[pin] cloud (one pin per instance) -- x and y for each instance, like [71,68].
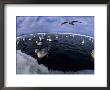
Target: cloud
[50,24]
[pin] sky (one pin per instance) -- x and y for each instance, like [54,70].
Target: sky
[52,24]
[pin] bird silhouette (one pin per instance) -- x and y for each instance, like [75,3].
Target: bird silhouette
[71,23]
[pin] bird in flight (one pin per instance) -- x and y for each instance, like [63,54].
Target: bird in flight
[71,23]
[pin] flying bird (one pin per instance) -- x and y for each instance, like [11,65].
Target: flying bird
[71,23]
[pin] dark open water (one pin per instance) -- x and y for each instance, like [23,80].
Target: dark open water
[65,54]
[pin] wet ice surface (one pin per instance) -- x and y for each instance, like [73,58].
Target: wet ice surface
[28,65]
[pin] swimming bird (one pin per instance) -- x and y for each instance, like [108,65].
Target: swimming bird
[92,53]
[82,43]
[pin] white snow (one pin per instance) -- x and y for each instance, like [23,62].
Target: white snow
[28,65]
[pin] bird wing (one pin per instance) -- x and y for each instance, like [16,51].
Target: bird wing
[73,21]
[64,23]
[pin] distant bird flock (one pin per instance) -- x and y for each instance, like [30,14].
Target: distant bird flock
[49,39]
